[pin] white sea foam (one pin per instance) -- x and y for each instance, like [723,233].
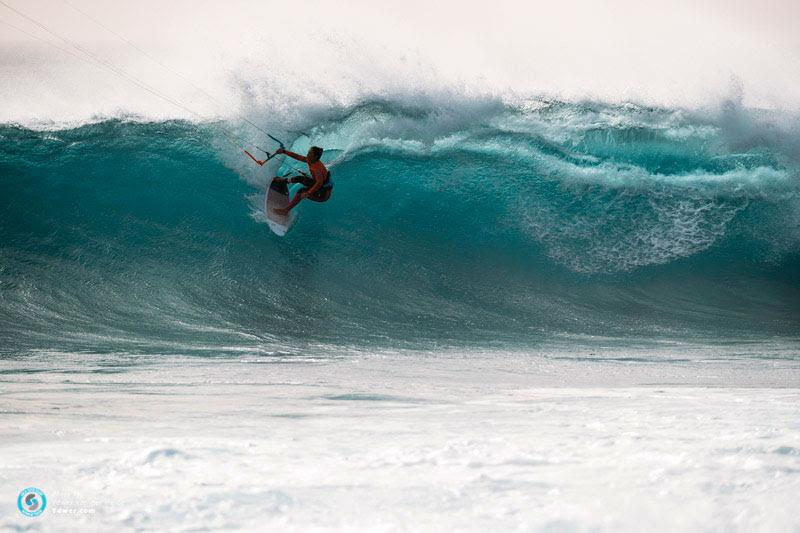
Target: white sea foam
[390,442]
[272,60]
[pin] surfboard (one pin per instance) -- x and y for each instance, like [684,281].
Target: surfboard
[277,197]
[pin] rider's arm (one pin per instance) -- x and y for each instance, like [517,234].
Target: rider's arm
[292,155]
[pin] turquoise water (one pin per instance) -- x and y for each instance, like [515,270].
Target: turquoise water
[469,225]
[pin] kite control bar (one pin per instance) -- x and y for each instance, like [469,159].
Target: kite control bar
[270,155]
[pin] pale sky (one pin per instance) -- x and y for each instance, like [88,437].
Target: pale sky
[286,55]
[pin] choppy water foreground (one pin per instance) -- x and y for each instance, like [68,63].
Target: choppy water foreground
[401,442]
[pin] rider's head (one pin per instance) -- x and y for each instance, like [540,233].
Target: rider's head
[314,153]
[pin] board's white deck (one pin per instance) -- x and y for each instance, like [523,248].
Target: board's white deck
[279,224]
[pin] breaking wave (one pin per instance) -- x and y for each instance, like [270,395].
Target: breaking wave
[457,222]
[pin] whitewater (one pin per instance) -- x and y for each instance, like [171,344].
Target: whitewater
[555,288]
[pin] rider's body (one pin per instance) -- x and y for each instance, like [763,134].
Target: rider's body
[317,187]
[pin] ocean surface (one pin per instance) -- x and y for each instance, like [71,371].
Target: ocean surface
[478,224]
[523,316]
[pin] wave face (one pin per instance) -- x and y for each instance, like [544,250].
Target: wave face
[468,223]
